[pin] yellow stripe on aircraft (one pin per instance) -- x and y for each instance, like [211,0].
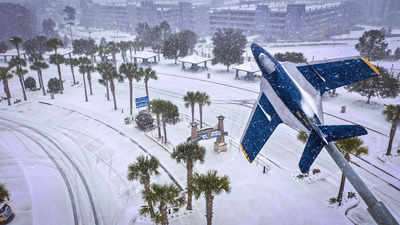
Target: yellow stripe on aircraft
[245,154]
[371,65]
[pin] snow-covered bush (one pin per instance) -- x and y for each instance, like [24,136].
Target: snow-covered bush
[30,83]
[54,85]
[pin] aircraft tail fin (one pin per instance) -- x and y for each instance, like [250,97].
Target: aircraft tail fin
[332,133]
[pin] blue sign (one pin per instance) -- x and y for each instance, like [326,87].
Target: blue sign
[142,102]
[210,135]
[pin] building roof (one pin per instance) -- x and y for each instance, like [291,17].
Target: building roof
[247,67]
[144,55]
[194,59]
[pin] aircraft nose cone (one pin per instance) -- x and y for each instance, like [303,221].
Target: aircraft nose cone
[256,49]
[263,58]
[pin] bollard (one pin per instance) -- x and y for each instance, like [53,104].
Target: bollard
[343,109]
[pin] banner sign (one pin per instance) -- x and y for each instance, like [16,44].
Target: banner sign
[210,135]
[142,102]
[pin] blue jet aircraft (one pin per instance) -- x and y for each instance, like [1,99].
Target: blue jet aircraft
[291,94]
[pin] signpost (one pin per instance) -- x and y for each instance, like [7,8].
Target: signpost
[142,102]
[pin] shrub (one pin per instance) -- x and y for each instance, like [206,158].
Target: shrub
[302,175]
[30,83]
[351,195]
[315,171]
[144,120]
[54,85]
[332,200]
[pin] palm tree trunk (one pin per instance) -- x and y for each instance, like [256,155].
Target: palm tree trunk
[164,215]
[113,94]
[391,137]
[72,68]
[201,115]
[158,125]
[192,113]
[209,208]
[73,74]
[341,189]
[38,75]
[164,120]
[41,81]
[21,81]
[108,91]
[130,96]
[89,77]
[189,167]
[84,86]
[115,61]
[151,207]
[60,78]
[146,85]
[7,91]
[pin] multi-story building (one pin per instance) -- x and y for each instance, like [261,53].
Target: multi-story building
[180,16]
[294,21]
[236,17]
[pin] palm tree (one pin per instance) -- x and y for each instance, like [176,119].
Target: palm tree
[148,74]
[392,113]
[142,170]
[123,47]
[131,71]
[73,62]
[56,59]
[5,75]
[163,197]
[18,63]
[349,146]
[102,50]
[131,45]
[189,153]
[190,100]
[104,81]
[109,73]
[90,68]
[169,111]
[156,107]
[112,48]
[210,184]
[16,41]
[202,99]
[84,64]
[39,66]
[3,193]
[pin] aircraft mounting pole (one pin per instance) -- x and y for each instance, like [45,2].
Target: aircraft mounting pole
[377,209]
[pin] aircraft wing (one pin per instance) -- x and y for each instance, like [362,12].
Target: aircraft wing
[331,74]
[262,123]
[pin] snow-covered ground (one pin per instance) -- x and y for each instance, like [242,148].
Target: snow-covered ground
[76,153]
